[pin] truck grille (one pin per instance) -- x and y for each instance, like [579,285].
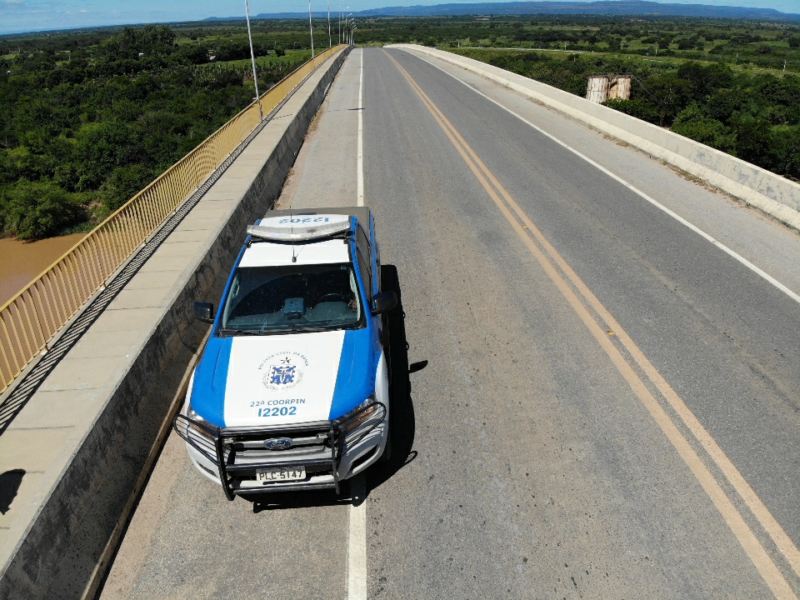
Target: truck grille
[239,452]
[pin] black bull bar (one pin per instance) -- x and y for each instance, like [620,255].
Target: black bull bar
[219,444]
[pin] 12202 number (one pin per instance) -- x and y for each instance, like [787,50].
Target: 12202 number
[283,411]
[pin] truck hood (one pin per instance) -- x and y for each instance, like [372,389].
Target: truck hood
[283,379]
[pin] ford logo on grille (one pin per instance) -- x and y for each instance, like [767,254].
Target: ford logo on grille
[278,444]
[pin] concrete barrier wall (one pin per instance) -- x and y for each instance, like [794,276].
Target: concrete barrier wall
[60,552]
[771,193]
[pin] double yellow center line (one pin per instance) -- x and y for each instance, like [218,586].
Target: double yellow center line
[598,320]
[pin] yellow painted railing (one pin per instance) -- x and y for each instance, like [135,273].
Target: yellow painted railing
[30,319]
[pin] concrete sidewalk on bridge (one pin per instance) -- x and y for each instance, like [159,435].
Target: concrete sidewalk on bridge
[332,142]
[98,411]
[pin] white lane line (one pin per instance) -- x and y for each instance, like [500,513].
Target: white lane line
[357,543]
[360,142]
[732,253]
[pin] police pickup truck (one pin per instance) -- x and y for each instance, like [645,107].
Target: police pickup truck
[292,389]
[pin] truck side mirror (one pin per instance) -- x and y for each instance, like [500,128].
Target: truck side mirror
[204,311]
[384,302]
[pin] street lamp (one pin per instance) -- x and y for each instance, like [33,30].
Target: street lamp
[310,29]
[330,39]
[253,59]
[351,28]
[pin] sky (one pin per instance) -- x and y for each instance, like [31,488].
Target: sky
[38,15]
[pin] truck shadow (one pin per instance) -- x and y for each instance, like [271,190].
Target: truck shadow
[401,429]
[401,415]
[9,486]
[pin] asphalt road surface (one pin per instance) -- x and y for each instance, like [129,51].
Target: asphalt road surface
[600,403]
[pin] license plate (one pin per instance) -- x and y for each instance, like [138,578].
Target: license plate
[281,474]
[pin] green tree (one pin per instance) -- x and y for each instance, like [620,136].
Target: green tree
[785,150]
[102,147]
[705,79]
[753,140]
[724,104]
[7,168]
[694,123]
[33,210]
[123,184]
[636,107]
[670,94]
[149,40]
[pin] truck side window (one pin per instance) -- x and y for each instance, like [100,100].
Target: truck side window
[363,267]
[377,254]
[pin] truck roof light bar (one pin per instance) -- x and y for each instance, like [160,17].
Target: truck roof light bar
[297,234]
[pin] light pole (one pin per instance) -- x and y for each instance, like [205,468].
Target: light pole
[253,59]
[330,39]
[310,29]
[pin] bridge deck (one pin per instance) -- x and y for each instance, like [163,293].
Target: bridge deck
[536,468]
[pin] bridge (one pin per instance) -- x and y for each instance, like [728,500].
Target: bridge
[599,355]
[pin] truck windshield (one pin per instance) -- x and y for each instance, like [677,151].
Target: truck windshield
[293,298]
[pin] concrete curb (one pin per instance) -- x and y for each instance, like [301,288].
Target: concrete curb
[60,552]
[770,193]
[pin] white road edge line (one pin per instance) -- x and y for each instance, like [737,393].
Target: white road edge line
[357,543]
[360,141]
[732,253]
[357,528]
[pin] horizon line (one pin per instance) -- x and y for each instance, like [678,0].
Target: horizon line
[322,14]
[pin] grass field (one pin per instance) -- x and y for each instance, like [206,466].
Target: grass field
[666,61]
[290,59]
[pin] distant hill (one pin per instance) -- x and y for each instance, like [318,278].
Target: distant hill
[640,8]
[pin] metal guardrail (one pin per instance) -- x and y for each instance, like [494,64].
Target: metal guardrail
[36,314]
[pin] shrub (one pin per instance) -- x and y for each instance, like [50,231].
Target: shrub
[697,125]
[636,107]
[753,141]
[786,150]
[123,184]
[34,210]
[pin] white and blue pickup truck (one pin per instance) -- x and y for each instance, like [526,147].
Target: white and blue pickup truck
[292,389]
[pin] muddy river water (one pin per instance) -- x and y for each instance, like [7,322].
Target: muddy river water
[21,262]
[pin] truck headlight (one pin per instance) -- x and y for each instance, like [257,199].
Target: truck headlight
[197,433]
[368,410]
